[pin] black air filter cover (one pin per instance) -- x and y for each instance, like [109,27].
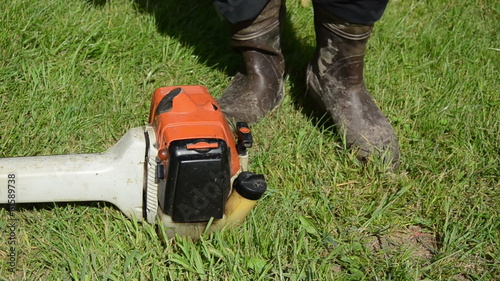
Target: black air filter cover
[197,181]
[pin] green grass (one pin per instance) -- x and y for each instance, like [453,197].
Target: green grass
[76,75]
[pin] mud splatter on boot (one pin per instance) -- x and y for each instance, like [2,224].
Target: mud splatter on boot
[335,82]
[252,95]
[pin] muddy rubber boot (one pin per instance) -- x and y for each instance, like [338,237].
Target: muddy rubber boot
[335,82]
[253,94]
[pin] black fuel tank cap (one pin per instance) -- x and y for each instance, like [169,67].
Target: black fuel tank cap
[249,185]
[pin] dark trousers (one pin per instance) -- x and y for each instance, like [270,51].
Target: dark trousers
[363,12]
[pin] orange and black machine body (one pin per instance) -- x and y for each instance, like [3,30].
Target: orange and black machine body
[199,158]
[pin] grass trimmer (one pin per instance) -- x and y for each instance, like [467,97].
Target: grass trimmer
[185,168]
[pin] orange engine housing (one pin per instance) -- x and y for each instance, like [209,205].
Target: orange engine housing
[194,115]
[195,147]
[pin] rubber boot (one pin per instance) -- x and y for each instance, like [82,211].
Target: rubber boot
[253,94]
[335,82]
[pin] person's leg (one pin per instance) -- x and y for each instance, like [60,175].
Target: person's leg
[364,12]
[252,95]
[237,11]
[335,77]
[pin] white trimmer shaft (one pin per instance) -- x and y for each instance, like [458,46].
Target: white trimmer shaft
[115,176]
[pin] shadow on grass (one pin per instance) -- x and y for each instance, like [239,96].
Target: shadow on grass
[196,25]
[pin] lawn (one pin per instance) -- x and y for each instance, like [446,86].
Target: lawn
[76,75]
